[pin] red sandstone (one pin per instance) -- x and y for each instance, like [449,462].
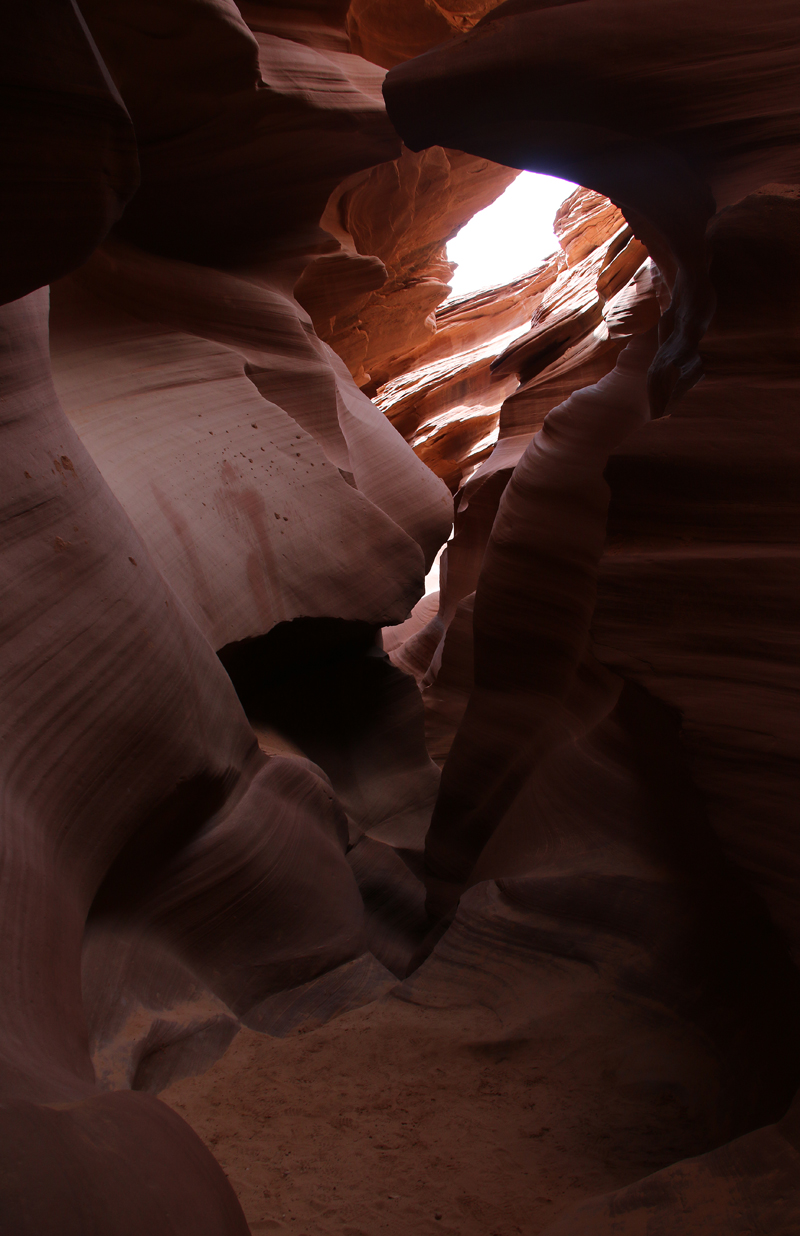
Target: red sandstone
[470,912]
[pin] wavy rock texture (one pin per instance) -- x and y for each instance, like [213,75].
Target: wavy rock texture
[231,873]
[136,797]
[669,140]
[486,824]
[608,741]
[69,604]
[267,487]
[210,133]
[448,405]
[279,537]
[135,793]
[586,301]
[732,573]
[374,300]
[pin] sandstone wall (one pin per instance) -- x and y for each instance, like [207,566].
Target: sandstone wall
[219,809]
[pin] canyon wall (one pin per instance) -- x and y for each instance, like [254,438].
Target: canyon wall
[588,567]
[251,776]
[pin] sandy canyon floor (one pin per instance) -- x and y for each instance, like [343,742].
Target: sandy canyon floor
[399,1119]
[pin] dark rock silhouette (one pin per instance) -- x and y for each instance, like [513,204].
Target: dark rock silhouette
[255,784]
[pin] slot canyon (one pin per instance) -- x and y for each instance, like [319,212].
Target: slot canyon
[335,903]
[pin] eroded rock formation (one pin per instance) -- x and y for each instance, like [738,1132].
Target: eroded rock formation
[490,798]
[233,429]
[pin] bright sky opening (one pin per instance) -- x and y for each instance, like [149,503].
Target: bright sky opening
[510,237]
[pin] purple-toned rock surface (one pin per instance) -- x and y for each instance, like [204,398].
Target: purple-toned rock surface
[328,905]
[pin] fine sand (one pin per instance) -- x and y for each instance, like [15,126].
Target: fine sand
[399,1119]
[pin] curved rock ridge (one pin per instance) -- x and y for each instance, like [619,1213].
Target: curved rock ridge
[144,764]
[550,520]
[448,405]
[580,303]
[559,801]
[135,794]
[730,575]
[382,268]
[374,300]
[585,301]
[682,576]
[246,431]
[562,966]
[670,141]
[216,107]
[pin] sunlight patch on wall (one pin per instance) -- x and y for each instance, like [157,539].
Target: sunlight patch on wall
[510,237]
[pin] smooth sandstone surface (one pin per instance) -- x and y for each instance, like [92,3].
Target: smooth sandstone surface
[282,535]
[150,809]
[74,597]
[527,834]
[469,912]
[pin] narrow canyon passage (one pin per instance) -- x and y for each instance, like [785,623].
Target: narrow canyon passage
[399,689]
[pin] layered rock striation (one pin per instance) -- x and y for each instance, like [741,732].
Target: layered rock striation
[541,689]
[219,807]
